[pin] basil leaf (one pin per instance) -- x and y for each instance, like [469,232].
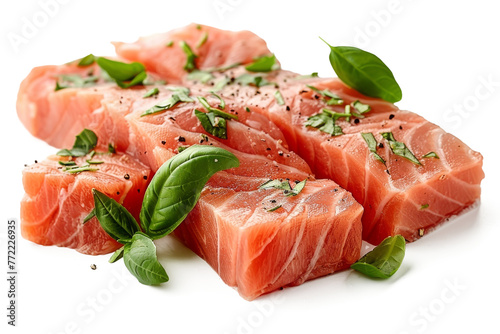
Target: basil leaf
[222,103]
[201,76]
[307,76]
[285,186]
[431,155]
[221,84]
[203,40]
[75,81]
[84,143]
[151,92]
[252,80]
[118,254]
[176,187]
[372,145]
[190,57]
[325,122]
[181,94]
[399,148]
[111,148]
[216,126]
[115,219]
[361,107]
[125,75]
[263,64]
[424,206]
[67,163]
[140,259]
[79,169]
[331,98]
[274,208]
[279,98]
[364,72]
[384,260]
[87,60]
[216,111]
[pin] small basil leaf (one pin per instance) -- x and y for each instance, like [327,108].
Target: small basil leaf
[431,155]
[263,64]
[252,80]
[140,259]
[117,255]
[364,72]
[216,126]
[151,92]
[384,260]
[372,145]
[325,122]
[279,98]
[190,57]
[134,72]
[221,84]
[87,60]
[113,217]
[201,76]
[84,143]
[176,187]
[276,184]
[399,148]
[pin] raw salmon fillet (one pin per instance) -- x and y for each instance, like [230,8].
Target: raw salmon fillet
[56,202]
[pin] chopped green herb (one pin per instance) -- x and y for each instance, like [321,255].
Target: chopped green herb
[223,68]
[399,148]
[221,84]
[431,155]
[151,92]
[182,148]
[215,111]
[222,103]
[372,145]
[84,143]
[247,109]
[190,57]
[263,64]
[285,186]
[325,121]
[328,96]
[361,107]
[252,80]
[180,94]
[274,208]
[384,260]
[79,169]
[214,121]
[424,206]
[307,76]
[94,162]
[203,40]
[169,44]
[67,163]
[111,148]
[75,81]
[279,98]
[87,60]
[201,76]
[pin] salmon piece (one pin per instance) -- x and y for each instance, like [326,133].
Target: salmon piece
[313,234]
[162,54]
[399,197]
[56,202]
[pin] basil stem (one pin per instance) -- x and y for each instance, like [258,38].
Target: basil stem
[384,260]
[364,72]
[177,185]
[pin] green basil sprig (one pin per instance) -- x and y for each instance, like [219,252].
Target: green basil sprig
[364,72]
[171,195]
[177,185]
[372,145]
[265,63]
[400,148]
[384,260]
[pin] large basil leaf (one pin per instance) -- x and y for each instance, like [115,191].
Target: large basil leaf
[140,259]
[114,218]
[176,187]
[384,260]
[364,72]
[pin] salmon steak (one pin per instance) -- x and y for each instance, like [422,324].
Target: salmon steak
[256,239]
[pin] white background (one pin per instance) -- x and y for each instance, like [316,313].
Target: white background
[441,52]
